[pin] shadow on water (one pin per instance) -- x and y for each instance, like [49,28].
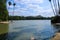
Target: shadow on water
[57,27]
[3,31]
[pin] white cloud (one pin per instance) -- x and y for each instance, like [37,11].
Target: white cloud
[29,1]
[38,10]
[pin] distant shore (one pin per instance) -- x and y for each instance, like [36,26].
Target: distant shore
[29,18]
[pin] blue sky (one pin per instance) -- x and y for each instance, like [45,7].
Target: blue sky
[30,8]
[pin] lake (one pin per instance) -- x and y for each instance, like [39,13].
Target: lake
[27,30]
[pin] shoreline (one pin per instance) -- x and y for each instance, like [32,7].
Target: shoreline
[4,22]
[57,37]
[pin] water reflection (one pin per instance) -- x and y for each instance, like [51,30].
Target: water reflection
[27,30]
[57,27]
[3,31]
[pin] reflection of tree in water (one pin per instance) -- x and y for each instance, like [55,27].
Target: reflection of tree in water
[3,36]
[57,27]
[3,31]
[8,36]
[11,36]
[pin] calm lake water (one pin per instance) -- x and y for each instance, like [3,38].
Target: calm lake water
[27,30]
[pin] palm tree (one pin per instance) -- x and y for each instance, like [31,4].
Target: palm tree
[52,6]
[13,8]
[14,4]
[9,3]
[49,0]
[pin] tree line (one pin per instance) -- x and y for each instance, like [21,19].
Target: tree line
[28,18]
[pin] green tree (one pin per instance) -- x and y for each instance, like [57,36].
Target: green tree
[3,11]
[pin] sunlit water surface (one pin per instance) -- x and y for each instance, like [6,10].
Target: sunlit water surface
[27,30]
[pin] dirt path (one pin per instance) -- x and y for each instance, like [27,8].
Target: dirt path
[57,37]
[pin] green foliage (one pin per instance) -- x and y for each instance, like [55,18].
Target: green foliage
[28,18]
[3,11]
[55,19]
